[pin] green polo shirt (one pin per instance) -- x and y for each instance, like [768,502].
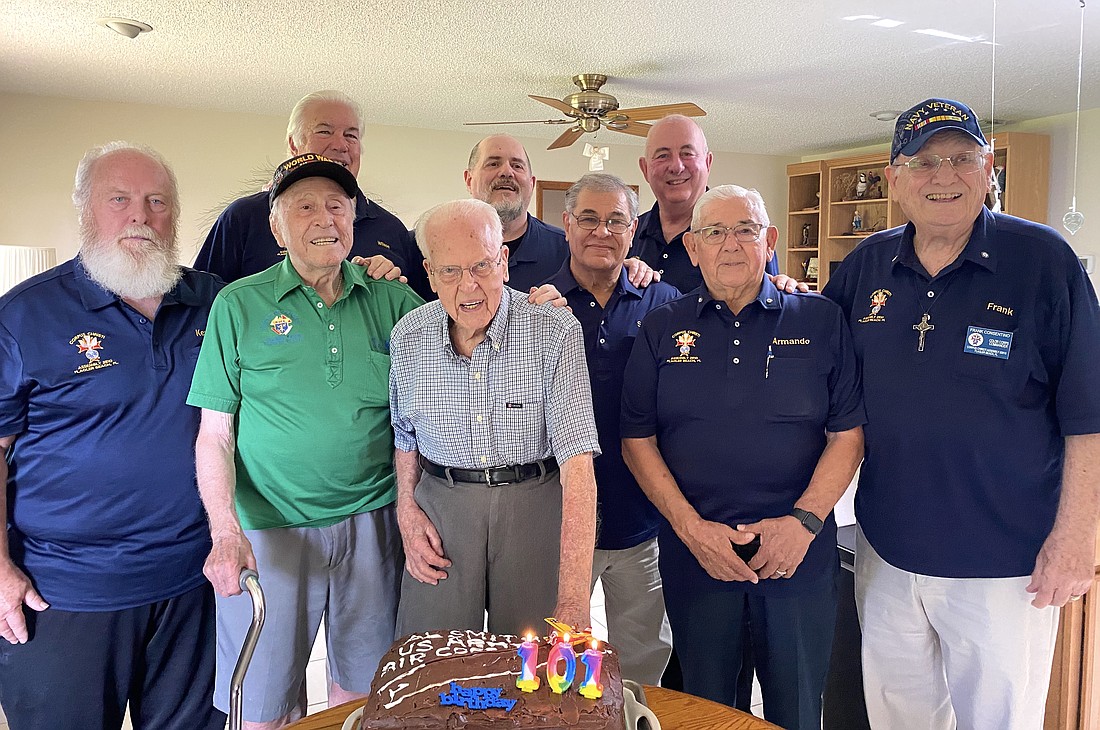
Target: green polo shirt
[309,385]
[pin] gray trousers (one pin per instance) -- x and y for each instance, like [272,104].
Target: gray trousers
[504,547]
[636,622]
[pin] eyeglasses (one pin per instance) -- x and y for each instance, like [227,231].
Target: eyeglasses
[716,235]
[479,270]
[965,163]
[592,222]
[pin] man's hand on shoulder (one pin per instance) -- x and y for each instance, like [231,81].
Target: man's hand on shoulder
[424,558]
[785,283]
[380,267]
[229,555]
[546,294]
[15,591]
[639,273]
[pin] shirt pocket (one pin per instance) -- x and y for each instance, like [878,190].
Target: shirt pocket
[1021,376]
[795,391]
[519,426]
[375,387]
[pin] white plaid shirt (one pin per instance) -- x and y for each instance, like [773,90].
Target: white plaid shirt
[523,396]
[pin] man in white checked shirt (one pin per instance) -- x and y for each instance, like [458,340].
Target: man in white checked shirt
[492,416]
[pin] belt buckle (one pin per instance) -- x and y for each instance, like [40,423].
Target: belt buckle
[488,477]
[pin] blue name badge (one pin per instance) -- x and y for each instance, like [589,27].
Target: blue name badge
[988,343]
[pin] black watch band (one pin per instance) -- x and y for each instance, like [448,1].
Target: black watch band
[808,519]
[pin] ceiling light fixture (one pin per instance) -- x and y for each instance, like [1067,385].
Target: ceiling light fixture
[886,115]
[860,17]
[949,36]
[887,23]
[124,26]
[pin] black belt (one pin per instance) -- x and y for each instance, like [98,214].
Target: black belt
[493,477]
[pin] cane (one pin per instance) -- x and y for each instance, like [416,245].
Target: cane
[250,583]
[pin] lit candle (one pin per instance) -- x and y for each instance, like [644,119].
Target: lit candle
[593,662]
[562,651]
[529,652]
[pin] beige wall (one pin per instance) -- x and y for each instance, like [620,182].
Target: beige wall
[219,156]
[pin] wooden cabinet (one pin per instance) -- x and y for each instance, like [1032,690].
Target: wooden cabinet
[1021,162]
[803,221]
[855,200]
[1073,701]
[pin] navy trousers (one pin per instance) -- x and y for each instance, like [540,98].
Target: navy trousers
[791,637]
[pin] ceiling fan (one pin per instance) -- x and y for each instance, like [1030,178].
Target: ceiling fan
[589,109]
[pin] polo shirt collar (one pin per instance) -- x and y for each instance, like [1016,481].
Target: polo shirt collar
[980,249]
[652,227]
[526,253]
[95,297]
[498,326]
[365,208]
[565,282]
[287,278]
[768,298]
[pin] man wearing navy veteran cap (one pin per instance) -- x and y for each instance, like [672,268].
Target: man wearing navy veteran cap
[295,450]
[741,418]
[978,335]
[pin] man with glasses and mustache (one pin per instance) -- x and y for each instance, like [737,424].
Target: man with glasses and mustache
[978,336]
[493,425]
[741,421]
[601,213]
[102,597]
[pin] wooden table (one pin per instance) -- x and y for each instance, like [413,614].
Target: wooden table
[675,710]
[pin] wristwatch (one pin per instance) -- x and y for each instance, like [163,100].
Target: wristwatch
[808,519]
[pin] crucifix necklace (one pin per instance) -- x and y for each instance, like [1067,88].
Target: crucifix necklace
[924,326]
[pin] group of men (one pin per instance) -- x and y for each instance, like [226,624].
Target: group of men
[391,466]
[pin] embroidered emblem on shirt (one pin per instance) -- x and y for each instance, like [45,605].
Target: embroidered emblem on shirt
[878,301]
[685,340]
[1000,309]
[791,341]
[383,244]
[513,405]
[89,344]
[282,324]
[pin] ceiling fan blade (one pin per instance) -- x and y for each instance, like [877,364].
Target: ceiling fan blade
[628,126]
[643,113]
[558,104]
[528,121]
[567,138]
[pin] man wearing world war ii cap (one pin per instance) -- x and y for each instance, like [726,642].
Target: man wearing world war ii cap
[295,451]
[978,335]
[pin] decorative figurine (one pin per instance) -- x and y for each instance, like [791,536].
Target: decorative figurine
[861,186]
[806,234]
[857,223]
[874,190]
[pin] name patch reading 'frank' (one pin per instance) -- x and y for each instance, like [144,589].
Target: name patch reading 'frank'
[988,343]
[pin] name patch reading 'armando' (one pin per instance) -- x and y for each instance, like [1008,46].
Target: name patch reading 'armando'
[476,698]
[795,341]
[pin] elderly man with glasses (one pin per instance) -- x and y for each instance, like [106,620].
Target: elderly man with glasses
[978,335]
[742,421]
[495,437]
[600,217]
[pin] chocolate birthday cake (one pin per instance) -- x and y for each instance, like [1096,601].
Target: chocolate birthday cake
[467,680]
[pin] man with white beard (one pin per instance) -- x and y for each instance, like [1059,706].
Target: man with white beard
[102,594]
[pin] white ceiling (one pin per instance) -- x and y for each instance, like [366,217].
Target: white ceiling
[785,78]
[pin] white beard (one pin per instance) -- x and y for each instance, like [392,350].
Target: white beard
[142,274]
[509,212]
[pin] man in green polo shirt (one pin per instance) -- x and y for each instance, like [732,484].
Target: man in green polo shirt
[295,450]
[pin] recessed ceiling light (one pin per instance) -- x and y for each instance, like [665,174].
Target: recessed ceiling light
[948,36]
[886,115]
[125,26]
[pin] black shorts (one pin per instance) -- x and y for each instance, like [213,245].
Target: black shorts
[79,670]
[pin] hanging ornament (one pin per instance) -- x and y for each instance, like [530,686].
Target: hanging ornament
[1074,219]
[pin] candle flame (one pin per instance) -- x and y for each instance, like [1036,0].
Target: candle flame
[565,637]
[595,644]
[529,636]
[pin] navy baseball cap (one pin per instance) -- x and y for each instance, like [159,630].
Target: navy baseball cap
[311,165]
[915,126]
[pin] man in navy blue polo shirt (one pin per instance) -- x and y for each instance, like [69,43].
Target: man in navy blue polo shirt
[327,123]
[106,536]
[978,335]
[499,173]
[676,165]
[741,419]
[600,216]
